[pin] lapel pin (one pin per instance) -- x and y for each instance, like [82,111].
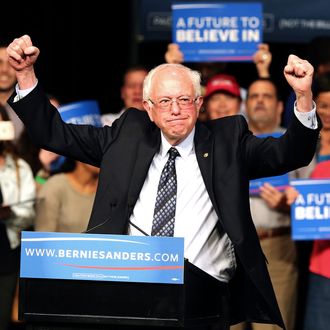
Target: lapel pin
[206,154]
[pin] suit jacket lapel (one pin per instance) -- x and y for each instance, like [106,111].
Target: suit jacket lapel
[204,154]
[145,153]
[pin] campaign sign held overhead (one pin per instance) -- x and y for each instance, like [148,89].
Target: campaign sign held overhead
[211,32]
[310,214]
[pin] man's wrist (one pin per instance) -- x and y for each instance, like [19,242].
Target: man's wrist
[307,118]
[20,93]
[304,103]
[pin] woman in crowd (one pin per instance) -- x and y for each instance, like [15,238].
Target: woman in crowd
[17,194]
[66,200]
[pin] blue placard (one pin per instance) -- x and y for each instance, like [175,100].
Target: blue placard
[293,21]
[211,32]
[310,214]
[280,182]
[97,257]
[81,113]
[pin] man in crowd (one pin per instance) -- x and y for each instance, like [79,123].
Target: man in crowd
[7,85]
[131,92]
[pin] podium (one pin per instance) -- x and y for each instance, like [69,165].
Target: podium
[47,304]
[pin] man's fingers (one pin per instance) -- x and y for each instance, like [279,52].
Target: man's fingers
[296,70]
[288,69]
[15,49]
[30,51]
[27,40]
[22,47]
[22,42]
[14,52]
[298,67]
[173,46]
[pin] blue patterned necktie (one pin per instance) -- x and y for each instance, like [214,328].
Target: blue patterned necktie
[164,214]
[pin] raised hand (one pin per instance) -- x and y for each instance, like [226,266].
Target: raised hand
[274,199]
[299,75]
[174,54]
[262,58]
[22,56]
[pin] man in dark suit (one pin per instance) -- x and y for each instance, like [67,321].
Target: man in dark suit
[213,169]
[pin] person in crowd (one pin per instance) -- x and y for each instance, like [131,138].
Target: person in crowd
[207,69]
[262,59]
[17,195]
[42,162]
[66,200]
[221,156]
[316,315]
[131,92]
[270,209]
[222,97]
[7,84]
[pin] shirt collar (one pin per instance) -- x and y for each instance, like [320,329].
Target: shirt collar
[184,148]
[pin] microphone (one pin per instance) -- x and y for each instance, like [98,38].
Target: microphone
[138,228]
[96,226]
[106,220]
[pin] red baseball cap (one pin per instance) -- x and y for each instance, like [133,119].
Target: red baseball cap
[222,82]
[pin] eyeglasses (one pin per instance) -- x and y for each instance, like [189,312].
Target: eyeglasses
[184,102]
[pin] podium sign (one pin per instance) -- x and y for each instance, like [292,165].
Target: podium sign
[85,281]
[99,257]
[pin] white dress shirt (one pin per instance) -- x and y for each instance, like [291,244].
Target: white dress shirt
[195,217]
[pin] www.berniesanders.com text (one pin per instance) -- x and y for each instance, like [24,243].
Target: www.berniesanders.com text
[101,254]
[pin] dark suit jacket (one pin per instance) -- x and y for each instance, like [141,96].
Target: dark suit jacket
[124,153]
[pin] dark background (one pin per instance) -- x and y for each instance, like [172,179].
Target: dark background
[86,47]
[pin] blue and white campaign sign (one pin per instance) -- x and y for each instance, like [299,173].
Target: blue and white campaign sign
[99,257]
[211,32]
[310,214]
[283,21]
[81,113]
[280,182]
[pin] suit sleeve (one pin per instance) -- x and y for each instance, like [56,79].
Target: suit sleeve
[276,156]
[43,122]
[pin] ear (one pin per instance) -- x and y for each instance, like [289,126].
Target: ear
[122,92]
[279,112]
[199,103]
[148,108]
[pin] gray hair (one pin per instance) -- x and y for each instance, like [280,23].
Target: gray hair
[195,77]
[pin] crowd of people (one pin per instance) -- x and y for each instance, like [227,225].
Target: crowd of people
[38,192]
